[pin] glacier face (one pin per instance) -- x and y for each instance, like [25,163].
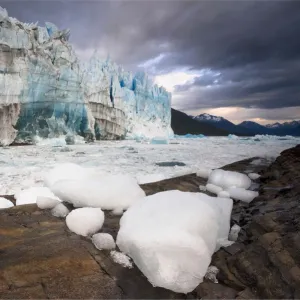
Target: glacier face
[46,92]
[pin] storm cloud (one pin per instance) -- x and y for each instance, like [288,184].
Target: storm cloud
[243,53]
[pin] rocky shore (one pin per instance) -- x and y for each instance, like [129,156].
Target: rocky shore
[41,258]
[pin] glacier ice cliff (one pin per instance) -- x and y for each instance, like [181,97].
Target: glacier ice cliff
[45,91]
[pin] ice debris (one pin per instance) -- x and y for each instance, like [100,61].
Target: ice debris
[226,179]
[172,235]
[253,176]
[5,203]
[85,221]
[121,259]
[46,202]
[103,241]
[109,192]
[60,211]
[241,194]
[30,195]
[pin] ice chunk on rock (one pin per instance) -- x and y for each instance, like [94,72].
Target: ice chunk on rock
[253,176]
[103,241]
[204,172]
[5,203]
[109,192]
[117,211]
[212,273]
[142,179]
[223,194]
[213,188]
[171,236]
[121,259]
[242,194]
[202,188]
[226,179]
[65,171]
[30,195]
[60,211]
[85,221]
[46,202]
[234,233]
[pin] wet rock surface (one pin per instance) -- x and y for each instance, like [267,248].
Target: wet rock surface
[41,258]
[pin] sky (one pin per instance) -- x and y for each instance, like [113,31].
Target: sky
[236,59]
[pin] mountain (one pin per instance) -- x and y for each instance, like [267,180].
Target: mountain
[222,123]
[286,125]
[255,127]
[183,124]
[250,127]
[287,128]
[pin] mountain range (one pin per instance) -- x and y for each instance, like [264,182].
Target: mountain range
[183,125]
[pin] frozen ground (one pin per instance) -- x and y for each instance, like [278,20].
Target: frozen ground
[25,166]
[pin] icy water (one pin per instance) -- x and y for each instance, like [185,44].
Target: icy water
[25,166]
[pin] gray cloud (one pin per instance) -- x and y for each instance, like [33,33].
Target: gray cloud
[254,45]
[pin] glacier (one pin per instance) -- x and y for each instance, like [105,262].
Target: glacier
[46,91]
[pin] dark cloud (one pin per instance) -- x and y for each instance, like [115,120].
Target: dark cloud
[254,46]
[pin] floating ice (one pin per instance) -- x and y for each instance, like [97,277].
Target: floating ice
[60,211]
[30,195]
[159,141]
[226,179]
[121,259]
[233,137]
[46,202]
[85,221]
[234,233]
[109,192]
[204,172]
[213,188]
[5,203]
[242,194]
[103,241]
[253,176]
[172,235]
[189,136]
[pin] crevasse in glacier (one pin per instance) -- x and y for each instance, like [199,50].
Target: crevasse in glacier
[45,91]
